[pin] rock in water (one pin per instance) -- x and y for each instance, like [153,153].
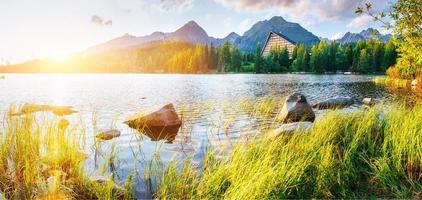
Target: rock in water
[414,83]
[162,124]
[296,109]
[335,103]
[62,110]
[63,124]
[368,101]
[108,135]
[31,108]
[57,110]
[290,128]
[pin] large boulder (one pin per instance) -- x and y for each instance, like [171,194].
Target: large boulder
[288,129]
[295,109]
[160,124]
[334,103]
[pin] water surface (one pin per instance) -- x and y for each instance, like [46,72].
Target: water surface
[205,101]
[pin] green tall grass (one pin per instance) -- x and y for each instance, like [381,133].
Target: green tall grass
[369,153]
[43,158]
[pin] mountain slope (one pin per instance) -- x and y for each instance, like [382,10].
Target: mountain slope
[190,32]
[259,33]
[363,35]
[193,33]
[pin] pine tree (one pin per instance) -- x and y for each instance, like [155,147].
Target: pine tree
[314,59]
[389,57]
[284,60]
[332,57]
[258,59]
[236,58]
[340,61]
[364,63]
[348,57]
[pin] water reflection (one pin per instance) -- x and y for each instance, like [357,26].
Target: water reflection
[211,108]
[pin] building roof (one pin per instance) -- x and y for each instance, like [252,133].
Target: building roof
[279,34]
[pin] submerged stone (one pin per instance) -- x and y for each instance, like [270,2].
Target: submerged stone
[62,110]
[160,124]
[108,135]
[63,124]
[295,109]
[303,127]
[57,110]
[104,180]
[335,103]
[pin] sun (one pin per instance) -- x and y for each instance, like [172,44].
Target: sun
[58,56]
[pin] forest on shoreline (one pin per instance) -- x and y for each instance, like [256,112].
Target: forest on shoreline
[370,56]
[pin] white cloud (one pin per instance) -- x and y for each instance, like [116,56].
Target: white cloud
[360,21]
[177,5]
[305,10]
[337,36]
[100,21]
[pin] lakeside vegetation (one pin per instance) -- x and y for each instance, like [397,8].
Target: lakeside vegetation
[43,158]
[364,154]
[407,18]
[369,153]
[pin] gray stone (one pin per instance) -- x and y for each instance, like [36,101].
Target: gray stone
[295,109]
[104,181]
[303,127]
[334,103]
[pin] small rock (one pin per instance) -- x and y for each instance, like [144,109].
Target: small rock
[62,110]
[163,123]
[335,103]
[63,124]
[414,83]
[368,101]
[104,180]
[31,108]
[295,109]
[57,110]
[108,135]
[290,128]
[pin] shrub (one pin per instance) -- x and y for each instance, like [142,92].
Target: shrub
[393,72]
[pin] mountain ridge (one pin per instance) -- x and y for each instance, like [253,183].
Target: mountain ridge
[365,34]
[192,32]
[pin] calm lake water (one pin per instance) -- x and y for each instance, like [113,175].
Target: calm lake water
[206,102]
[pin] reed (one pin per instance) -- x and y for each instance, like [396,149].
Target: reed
[369,153]
[43,158]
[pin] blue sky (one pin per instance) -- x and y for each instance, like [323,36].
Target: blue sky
[56,28]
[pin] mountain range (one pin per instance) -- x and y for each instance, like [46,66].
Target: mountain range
[363,35]
[193,33]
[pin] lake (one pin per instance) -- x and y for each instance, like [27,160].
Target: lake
[206,103]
